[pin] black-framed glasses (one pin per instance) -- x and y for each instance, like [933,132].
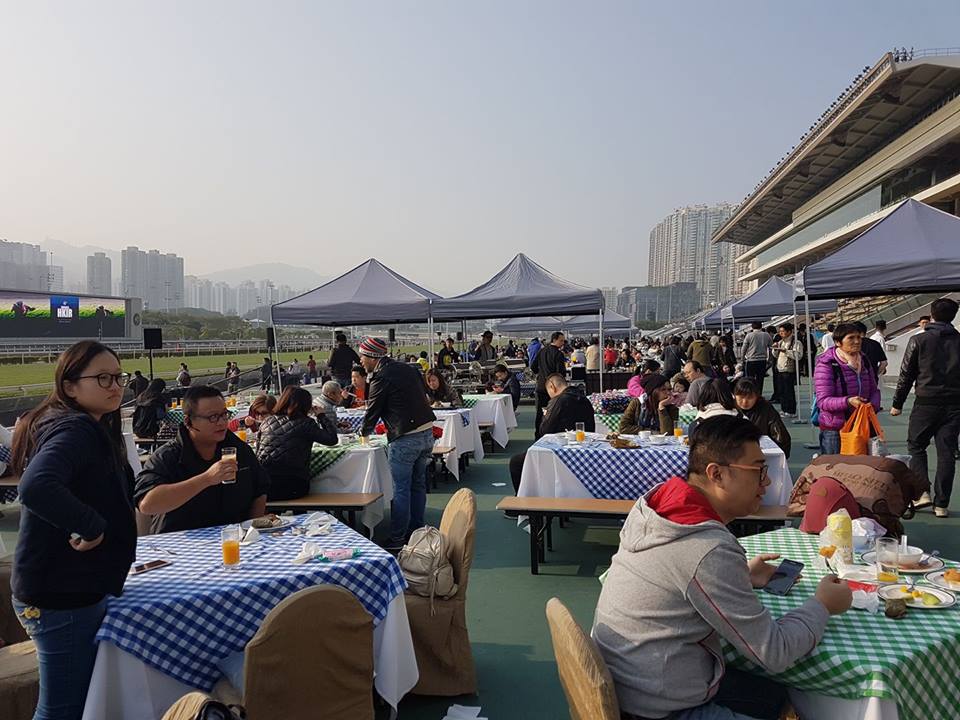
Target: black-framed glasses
[215,418]
[106,380]
[764,470]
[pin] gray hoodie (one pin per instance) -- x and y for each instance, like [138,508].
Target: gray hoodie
[671,593]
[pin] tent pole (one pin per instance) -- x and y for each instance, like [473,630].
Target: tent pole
[601,349]
[814,441]
[276,341]
[796,365]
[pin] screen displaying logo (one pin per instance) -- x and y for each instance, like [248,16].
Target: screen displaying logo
[65,308]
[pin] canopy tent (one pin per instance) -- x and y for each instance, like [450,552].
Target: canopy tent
[714,319]
[914,249]
[775,297]
[370,294]
[523,288]
[582,324]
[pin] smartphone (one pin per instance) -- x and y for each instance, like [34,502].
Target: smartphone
[784,577]
[148,566]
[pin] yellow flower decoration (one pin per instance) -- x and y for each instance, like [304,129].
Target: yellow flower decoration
[31,613]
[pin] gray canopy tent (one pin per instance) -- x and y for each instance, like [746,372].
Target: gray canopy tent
[713,320]
[775,297]
[582,324]
[370,294]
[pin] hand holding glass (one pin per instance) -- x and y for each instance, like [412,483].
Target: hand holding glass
[229,455]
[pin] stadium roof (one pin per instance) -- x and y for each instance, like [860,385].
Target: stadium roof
[883,102]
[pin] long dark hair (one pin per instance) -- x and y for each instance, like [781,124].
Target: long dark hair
[294,402]
[443,390]
[153,392]
[70,366]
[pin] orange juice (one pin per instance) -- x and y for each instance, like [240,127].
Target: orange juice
[241,434]
[231,552]
[581,436]
[678,432]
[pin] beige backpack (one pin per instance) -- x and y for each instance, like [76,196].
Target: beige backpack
[425,565]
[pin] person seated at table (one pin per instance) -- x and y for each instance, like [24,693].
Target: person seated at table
[653,411]
[78,536]
[680,582]
[186,484]
[506,382]
[625,359]
[644,369]
[568,406]
[355,394]
[260,409]
[715,400]
[438,391]
[150,410]
[755,408]
[286,440]
[680,389]
[331,395]
[697,376]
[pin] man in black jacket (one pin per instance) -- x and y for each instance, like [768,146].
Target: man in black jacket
[397,397]
[549,361]
[342,359]
[761,413]
[932,361]
[507,383]
[568,406]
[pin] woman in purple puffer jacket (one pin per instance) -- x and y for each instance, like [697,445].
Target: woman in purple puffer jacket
[843,380]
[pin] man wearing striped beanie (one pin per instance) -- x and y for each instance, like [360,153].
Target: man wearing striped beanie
[398,398]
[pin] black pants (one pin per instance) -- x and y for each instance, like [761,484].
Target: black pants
[775,375]
[516,470]
[756,370]
[786,391]
[284,486]
[941,424]
[543,399]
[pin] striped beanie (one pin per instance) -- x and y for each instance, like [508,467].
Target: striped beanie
[373,347]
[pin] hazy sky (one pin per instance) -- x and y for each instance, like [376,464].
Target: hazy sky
[439,137]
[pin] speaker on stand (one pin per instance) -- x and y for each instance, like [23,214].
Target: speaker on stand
[152,340]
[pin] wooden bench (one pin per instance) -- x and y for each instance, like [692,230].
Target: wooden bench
[350,503]
[542,510]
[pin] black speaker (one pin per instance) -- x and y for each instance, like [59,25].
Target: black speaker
[271,338]
[459,335]
[392,335]
[152,339]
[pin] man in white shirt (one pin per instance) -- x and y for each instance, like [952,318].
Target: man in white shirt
[826,342]
[879,331]
[592,354]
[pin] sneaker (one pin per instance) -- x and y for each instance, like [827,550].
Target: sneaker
[941,512]
[925,499]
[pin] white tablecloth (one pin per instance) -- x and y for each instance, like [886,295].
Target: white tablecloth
[463,438]
[362,470]
[816,706]
[496,408]
[123,687]
[546,475]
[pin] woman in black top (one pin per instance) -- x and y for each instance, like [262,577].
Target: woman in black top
[286,439]
[77,531]
[150,410]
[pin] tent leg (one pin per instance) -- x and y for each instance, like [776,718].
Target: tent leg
[601,349]
[814,440]
[276,341]
[796,365]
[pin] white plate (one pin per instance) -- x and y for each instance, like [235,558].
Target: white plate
[894,592]
[285,522]
[936,578]
[934,563]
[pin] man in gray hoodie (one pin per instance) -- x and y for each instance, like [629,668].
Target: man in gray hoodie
[680,581]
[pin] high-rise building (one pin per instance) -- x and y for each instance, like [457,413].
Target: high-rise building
[24,267]
[610,297]
[99,276]
[224,299]
[154,276]
[658,303]
[246,297]
[681,251]
[55,278]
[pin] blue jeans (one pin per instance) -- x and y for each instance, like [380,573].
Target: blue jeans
[408,456]
[66,652]
[829,442]
[710,711]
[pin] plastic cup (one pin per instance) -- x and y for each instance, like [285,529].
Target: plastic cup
[579,429]
[230,545]
[230,455]
[888,560]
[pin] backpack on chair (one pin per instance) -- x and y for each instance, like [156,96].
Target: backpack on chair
[426,566]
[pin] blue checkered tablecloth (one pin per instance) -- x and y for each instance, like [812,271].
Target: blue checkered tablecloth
[183,618]
[462,412]
[608,472]
[7,495]
[356,418]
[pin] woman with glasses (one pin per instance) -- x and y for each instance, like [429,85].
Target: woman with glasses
[77,531]
[260,409]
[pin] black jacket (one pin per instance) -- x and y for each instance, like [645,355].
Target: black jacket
[74,483]
[147,416]
[396,396]
[138,383]
[767,419]
[342,360]
[548,361]
[285,444]
[217,505]
[512,388]
[566,410]
[673,360]
[932,361]
[447,357]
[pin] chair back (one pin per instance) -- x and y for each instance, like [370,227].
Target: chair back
[584,676]
[312,658]
[187,707]
[459,526]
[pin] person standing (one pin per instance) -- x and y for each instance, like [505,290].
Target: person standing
[879,331]
[78,536]
[673,357]
[447,355]
[342,359]
[485,351]
[826,342]
[874,351]
[591,355]
[932,362]
[755,353]
[549,361]
[138,383]
[266,375]
[786,353]
[311,369]
[398,399]
[183,377]
[701,352]
[532,349]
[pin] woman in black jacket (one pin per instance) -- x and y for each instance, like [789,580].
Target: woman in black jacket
[286,439]
[77,531]
[150,410]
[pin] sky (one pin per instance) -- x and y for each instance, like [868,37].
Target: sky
[440,137]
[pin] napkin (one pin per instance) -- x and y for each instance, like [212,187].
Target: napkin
[868,601]
[307,553]
[320,517]
[252,535]
[314,530]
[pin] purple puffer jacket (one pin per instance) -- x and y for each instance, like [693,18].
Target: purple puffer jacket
[834,409]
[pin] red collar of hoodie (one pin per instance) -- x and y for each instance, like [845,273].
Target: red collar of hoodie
[679,502]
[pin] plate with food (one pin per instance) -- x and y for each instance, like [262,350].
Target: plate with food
[268,523]
[948,579]
[923,597]
[911,565]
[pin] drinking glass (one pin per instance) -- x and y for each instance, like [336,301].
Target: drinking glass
[230,545]
[241,434]
[581,435]
[888,560]
[678,432]
[364,440]
[230,455]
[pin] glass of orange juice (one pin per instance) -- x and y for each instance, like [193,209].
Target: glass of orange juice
[888,560]
[581,435]
[678,432]
[241,434]
[230,544]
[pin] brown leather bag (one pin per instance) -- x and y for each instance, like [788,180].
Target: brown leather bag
[884,488]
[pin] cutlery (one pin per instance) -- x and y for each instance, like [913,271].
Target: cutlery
[925,560]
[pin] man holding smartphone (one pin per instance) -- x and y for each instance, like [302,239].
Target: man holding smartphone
[680,581]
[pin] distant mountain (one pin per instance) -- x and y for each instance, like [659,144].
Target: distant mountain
[298,278]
